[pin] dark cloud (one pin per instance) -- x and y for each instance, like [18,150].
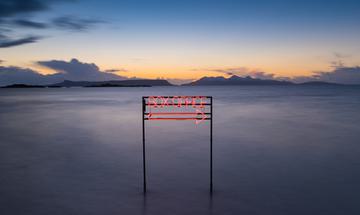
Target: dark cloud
[73,70]
[1,61]
[75,23]
[29,24]
[14,75]
[78,71]
[15,14]
[10,8]
[6,42]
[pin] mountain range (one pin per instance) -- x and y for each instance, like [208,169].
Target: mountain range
[205,81]
[236,80]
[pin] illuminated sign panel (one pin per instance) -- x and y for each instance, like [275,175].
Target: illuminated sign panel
[161,108]
[196,108]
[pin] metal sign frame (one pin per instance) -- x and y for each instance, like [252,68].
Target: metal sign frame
[179,101]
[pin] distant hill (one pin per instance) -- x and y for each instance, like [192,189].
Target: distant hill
[23,86]
[124,83]
[319,83]
[236,80]
[116,85]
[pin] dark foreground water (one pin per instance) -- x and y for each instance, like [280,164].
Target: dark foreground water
[277,150]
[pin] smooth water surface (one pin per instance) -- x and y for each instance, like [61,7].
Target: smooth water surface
[277,150]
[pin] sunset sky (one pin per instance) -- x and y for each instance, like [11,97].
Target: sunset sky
[182,39]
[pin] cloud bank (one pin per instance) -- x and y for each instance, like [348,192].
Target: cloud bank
[76,70]
[65,70]
[17,75]
[340,74]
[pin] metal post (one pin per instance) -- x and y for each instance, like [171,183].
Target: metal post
[144,105]
[143,132]
[211,145]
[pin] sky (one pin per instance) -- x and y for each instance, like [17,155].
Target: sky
[184,40]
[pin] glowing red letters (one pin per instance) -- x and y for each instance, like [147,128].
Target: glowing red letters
[177,102]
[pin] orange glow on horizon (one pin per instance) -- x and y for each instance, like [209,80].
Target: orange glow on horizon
[193,72]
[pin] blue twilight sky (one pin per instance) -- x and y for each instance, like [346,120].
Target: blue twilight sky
[187,39]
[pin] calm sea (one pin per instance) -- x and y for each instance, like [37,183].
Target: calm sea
[277,150]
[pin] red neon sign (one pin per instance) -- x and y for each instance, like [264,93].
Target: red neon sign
[177,108]
[195,108]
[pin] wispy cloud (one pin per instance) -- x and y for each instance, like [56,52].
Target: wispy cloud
[29,24]
[339,59]
[16,15]
[75,23]
[6,42]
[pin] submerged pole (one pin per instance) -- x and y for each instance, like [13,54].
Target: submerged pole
[143,140]
[211,145]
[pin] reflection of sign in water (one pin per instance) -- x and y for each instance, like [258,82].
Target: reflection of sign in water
[194,108]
